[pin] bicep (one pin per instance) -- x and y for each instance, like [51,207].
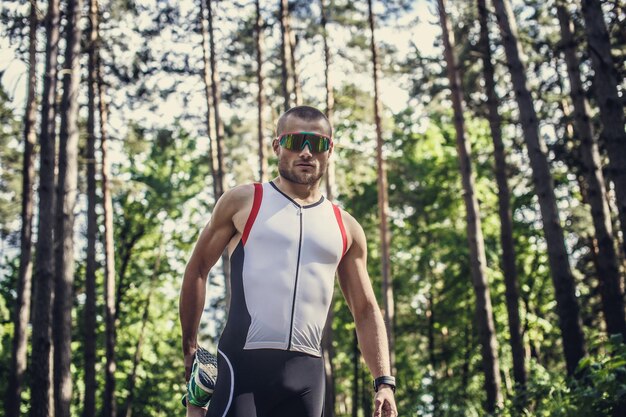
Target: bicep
[353,277]
[213,240]
[210,245]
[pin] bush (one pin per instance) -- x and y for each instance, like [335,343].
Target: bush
[599,389]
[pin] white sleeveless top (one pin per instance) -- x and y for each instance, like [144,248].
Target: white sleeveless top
[290,256]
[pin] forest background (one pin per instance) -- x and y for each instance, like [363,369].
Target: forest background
[481,144]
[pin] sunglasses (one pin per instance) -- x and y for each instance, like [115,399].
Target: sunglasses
[296,141]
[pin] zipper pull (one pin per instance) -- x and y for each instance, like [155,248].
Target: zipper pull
[299,212]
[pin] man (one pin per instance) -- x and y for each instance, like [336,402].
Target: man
[285,243]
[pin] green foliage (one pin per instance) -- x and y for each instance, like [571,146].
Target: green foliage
[598,390]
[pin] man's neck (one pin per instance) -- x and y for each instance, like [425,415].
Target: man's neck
[301,193]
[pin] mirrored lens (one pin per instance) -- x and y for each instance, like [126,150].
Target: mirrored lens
[297,142]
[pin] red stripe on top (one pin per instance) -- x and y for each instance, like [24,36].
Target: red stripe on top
[256,204]
[341,228]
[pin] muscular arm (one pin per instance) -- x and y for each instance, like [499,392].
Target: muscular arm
[357,289]
[208,249]
[370,327]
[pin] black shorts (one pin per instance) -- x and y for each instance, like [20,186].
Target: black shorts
[268,383]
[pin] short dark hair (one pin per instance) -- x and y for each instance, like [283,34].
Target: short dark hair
[306,113]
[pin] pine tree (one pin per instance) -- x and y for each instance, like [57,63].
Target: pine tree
[89,315]
[562,278]
[504,204]
[383,198]
[478,260]
[24,289]
[605,86]
[44,265]
[607,261]
[65,205]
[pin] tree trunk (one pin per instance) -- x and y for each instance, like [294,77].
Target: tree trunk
[467,356]
[327,340]
[207,91]
[478,260]
[24,283]
[284,54]
[89,321]
[215,95]
[65,205]
[132,378]
[109,405]
[330,98]
[355,369]
[432,357]
[297,88]
[607,261]
[126,244]
[258,24]
[219,134]
[44,264]
[605,86]
[366,392]
[383,202]
[562,278]
[504,206]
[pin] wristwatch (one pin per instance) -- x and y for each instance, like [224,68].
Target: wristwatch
[385,380]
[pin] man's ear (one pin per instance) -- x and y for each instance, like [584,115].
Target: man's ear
[276,146]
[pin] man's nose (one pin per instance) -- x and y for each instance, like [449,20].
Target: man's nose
[306,151]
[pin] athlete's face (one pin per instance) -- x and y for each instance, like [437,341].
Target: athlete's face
[303,166]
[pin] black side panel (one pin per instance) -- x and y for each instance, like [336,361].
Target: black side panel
[234,335]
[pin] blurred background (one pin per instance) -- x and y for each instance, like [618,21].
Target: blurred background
[481,145]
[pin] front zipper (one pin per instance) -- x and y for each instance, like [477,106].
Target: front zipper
[295,286]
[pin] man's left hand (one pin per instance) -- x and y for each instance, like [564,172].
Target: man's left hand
[385,403]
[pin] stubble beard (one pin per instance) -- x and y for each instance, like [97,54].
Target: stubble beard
[301,178]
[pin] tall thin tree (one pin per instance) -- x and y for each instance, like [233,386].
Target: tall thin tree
[432,355]
[206,78]
[562,278]
[605,85]
[327,339]
[293,64]
[109,403]
[258,39]
[504,204]
[478,260]
[607,261]
[89,314]
[356,359]
[330,96]
[67,185]
[24,282]
[215,96]
[284,54]
[44,261]
[383,199]
[219,137]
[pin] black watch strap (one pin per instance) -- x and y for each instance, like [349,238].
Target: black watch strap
[386,380]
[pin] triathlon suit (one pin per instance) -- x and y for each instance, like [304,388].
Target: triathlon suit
[282,281]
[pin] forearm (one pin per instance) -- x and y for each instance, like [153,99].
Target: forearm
[191,304]
[372,335]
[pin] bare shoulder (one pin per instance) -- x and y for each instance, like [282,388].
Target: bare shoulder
[239,194]
[354,232]
[235,200]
